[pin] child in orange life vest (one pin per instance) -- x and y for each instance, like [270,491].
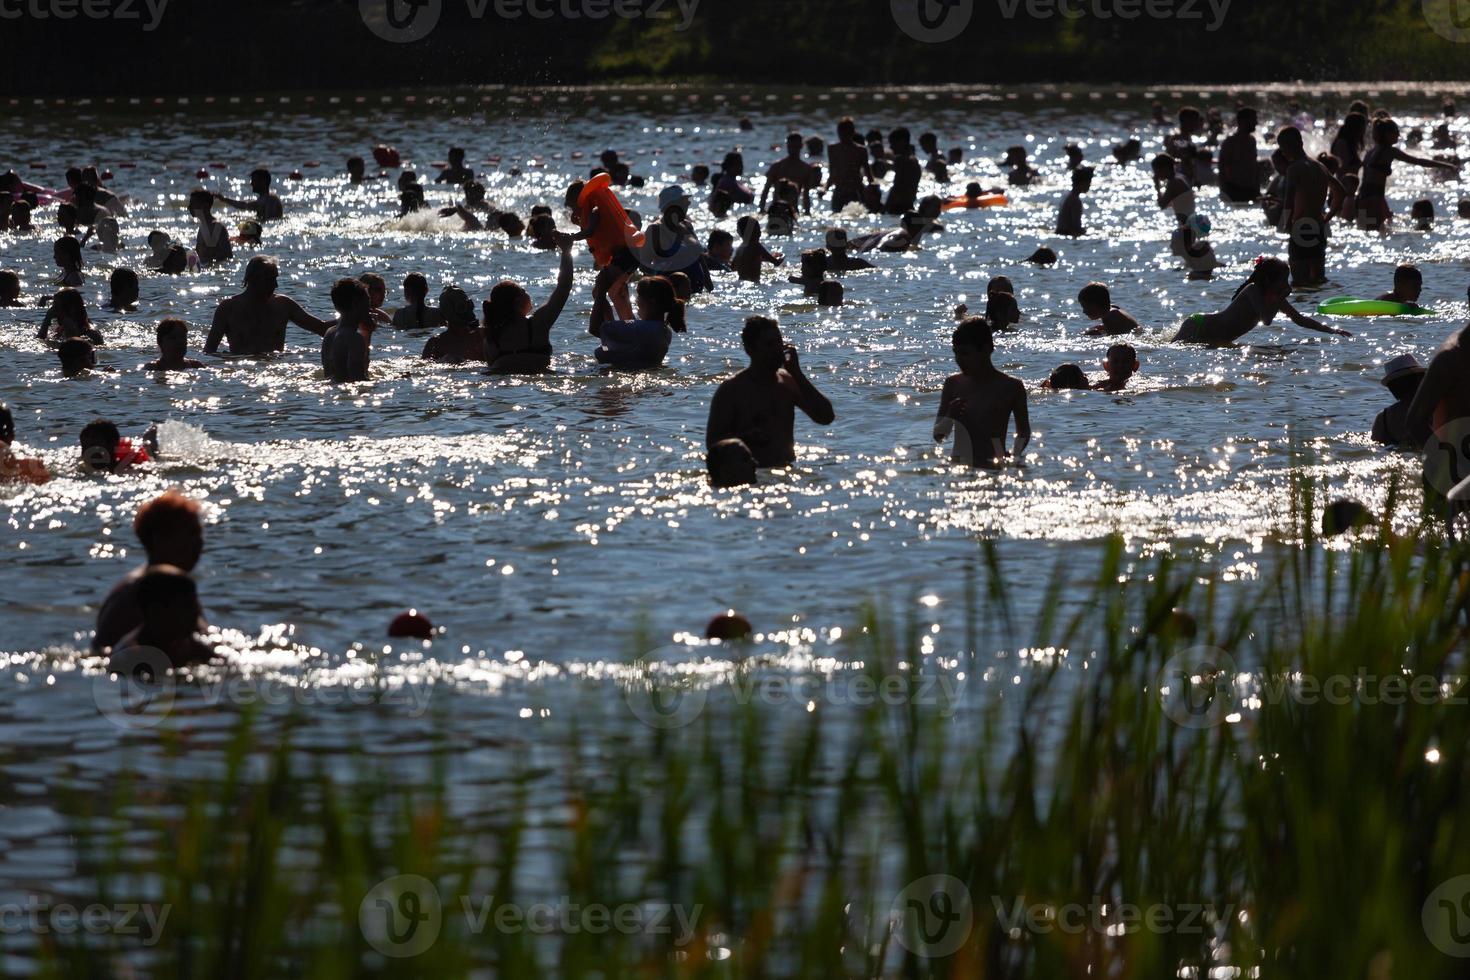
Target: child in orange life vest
[611,236]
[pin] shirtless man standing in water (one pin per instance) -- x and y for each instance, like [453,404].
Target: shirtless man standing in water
[758,405]
[978,403]
[847,166]
[254,322]
[793,168]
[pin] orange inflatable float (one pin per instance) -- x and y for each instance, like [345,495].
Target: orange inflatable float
[615,229]
[981,201]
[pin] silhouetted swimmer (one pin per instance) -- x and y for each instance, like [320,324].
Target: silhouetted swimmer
[728,625]
[1443,396]
[411,625]
[462,338]
[169,602]
[173,348]
[123,286]
[171,533]
[67,319]
[758,405]
[267,206]
[418,314]
[456,172]
[517,333]
[67,253]
[1121,364]
[730,463]
[838,259]
[9,288]
[346,347]
[77,357]
[1066,377]
[1097,304]
[979,402]
[1256,302]
[1402,377]
[13,468]
[212,240]
[1345,515]
[254,322]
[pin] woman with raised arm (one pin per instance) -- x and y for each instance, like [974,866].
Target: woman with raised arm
[518,337]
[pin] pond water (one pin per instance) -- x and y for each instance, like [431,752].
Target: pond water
[545,524]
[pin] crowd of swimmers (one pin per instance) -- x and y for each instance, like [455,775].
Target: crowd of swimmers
[648,272]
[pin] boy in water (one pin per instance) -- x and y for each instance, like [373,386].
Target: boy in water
[1408,284]
[16,468]
[791,168]
[979,402]
[837,258]
[345,347]
[171,533]
[77,357]
[212,241]
[456,172]
[720,251]
[751,255]
[1121,364]
[169,605]
[848,171]
[1239,173]
[758,405]
[1069,219]
[173,346]
[267,206]
[1097,304]
[1401,376]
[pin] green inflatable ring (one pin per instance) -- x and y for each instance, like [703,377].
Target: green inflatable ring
[1351,306]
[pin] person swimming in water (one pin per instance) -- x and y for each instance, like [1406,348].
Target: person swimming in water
[418,314]
[173,348]
[848,170]
[267,205]
[13,468]
[1443,397]
[907,172]
[67,319]
[641,343]
[793,168]
[456,172]
[979,402]
[1240,175]
[123,287]
[1408,285]
[347,346]
[463,339]
[838,259]
[168,604]
[1373,209]
[1305,188]
[1256,302]
[171,532]
[517,333]
[212,241]
[758,405]
[67,253]
[1097,304]
[1121,364]
[1069,216]
[254,322]
[751,254]
[1402,377]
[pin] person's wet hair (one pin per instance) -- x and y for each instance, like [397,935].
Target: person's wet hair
[1067,376]
[9,286]
[1095,294]
[754,327]
[99,439]
[76,355]
[348,293]
[973,332]
[123,285]
[830,293]
[1344,515]
[731,464]
[659,293]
